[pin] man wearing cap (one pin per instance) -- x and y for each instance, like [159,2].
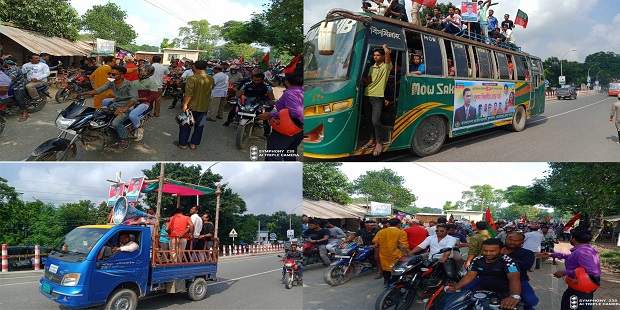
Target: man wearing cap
[219,93]
[582,255]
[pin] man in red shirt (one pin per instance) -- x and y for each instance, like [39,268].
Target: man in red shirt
[179,230]
[416,234]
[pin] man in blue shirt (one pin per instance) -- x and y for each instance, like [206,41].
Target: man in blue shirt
[492,21]
[417,67]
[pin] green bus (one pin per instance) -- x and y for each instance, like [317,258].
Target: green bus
[506,86]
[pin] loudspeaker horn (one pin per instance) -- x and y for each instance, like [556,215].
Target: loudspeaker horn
[124,211]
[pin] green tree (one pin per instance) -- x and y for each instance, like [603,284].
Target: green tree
[200,35]
[235,31]
[516,212]
[108,22]
[479,197]
[385,186]
[283,25]
[51,17]
[449,206]
[232,50]
[324,181]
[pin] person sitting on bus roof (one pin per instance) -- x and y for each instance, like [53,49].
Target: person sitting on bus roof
[451,71]
[452,23]
[496,36]
[379,10]
[417,66]
[509,38]
[397,11]
[436,20]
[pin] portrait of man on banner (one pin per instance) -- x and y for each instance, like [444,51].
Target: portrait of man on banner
[133,191]
[470,11]
[116,190]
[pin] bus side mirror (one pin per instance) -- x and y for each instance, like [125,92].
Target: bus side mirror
[106,253]
[327,38]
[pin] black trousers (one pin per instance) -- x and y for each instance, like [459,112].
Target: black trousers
[278,141]
[571,295]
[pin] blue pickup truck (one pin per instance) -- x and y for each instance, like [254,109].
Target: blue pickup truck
[83,270]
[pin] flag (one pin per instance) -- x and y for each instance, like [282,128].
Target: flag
[571,222]
[265,63]
[290,68]
[489,219]
[451,221]
[524,220]
[426,3]
[521,19]
[241,59]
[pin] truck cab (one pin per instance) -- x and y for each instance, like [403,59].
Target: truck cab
[88,268]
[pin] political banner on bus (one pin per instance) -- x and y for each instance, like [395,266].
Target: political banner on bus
[116,190]
[133,190]
[469,11]
[478,103]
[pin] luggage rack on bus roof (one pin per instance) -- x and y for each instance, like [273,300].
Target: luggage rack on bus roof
[478,38]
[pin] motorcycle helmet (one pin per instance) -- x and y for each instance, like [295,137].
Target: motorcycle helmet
[581,282]
[146,71]
[185,118]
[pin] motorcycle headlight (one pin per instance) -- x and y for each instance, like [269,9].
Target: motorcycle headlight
[70,279]
[288,265]
[63,123]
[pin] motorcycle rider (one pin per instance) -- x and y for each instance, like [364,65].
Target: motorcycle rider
[254,88]
[549,236]
[234,76]
[318,236]
[367,234]
[147,94]
[497,272]
[297,256]
[18,84]
[126,96]
[36,74]
[335,235]
[437,242]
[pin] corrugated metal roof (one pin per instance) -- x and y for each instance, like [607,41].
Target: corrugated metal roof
[38,43]
[331,210]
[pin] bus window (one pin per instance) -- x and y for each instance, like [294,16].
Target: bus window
[521,70]
[484,62]
[502,63]
[414,45]
[433,57]
[460,59]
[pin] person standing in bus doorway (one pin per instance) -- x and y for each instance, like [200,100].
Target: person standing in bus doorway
[615,111]
[466,111]
[372,103]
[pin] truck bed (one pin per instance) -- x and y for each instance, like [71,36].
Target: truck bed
[163,274]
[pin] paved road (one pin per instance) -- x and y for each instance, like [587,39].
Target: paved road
[244,283]
[569,130]
[218,142]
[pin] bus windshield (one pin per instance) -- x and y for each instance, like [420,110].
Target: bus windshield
[614,86]
[333,67]
[76,245]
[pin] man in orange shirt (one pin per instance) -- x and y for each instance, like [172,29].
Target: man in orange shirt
[100,78]
[415,234]
[179,230]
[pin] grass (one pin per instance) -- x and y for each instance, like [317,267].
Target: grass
[610,259]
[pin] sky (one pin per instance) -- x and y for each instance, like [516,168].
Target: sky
[554,28]
[154,24]
[265,187]
[435,183]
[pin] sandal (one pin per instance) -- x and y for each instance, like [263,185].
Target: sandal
[179,145]
[378,276]
[378,149]
[123,144]
[368,145]
[192,146]
[23,118]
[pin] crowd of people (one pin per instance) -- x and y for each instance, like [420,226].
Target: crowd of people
[500,264]
[483,26]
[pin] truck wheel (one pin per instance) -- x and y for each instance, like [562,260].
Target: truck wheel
[197,290]
[122,299]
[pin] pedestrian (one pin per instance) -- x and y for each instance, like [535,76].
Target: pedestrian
[615,111]
[583,267]
[475,242]
[197,98]
[374,92]
[292,103]
[100,77]
[220,91]
[388,241]
[158,77]
[179,229]
[18,84]
[36,74]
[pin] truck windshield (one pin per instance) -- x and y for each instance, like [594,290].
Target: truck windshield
[329,67]
[76,245]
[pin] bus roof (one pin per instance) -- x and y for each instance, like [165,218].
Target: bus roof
[428,30]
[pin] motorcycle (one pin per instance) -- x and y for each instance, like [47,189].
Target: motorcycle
[85,124]
[466,300]
[311,253]
[11,106]
[232,92]
[355,259]
[81,81]
[247,110]
[291,275]
[546,247]
[419,276]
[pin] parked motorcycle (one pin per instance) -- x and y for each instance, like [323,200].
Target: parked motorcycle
[85,124]
[355,259]
[311,253]
[82,82]
[291,275]
[465,300]
[247,110]
[419,277]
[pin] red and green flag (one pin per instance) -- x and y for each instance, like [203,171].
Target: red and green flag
[571,222]
[290,68]
[426,3]
[521,19]
[241,59]
[489,219]
[265,63]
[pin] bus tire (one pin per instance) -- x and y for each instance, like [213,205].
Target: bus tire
[518,119]
[197,290]
[122,299]
[429,136]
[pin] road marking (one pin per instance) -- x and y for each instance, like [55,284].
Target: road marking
[248,276]
[18,283]
[569,111]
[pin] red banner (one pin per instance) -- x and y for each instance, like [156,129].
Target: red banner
[290,68]
[571,222]
[426,2]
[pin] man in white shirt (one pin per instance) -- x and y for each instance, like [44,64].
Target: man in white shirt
[509,35]
[437,242]
[197,221]
[36,75]
[158,78]
[431,228]
[126,244]
[218,94]
[532,242]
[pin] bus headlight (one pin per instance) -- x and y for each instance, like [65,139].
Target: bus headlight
[328,108]
[70,279]
[315,135]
